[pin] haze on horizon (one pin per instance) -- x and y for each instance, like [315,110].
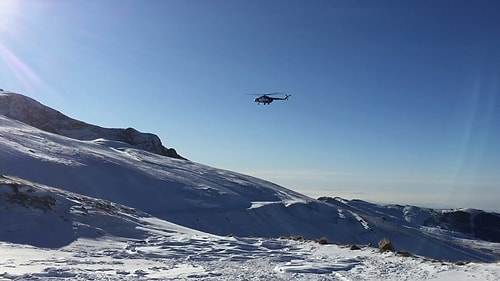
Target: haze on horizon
[391,102]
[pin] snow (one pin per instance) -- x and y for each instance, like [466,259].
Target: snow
[104,210]
[179,256]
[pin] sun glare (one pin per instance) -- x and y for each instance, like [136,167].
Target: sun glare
[9,9]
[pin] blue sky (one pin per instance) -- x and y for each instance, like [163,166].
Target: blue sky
[392,101]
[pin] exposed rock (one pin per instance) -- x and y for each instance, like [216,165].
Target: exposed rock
[385,245]
[480,224]
[355,247]
[404,254]
[486,226]
[460,221]
[33,113]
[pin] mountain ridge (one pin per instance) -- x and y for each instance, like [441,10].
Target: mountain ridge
[32,112]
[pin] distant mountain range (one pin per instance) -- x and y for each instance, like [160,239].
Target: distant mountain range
[467,222]
[69,160]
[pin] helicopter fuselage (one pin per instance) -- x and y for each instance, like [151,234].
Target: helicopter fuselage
[265,99]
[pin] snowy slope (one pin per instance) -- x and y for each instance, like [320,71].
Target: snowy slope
[209,199]
[53,234]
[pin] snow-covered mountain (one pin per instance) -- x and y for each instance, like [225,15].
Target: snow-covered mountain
[31,112]
[59,187]
[468,222]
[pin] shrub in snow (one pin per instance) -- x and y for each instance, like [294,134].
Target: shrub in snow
[385,245]
[322,241]
[298,238]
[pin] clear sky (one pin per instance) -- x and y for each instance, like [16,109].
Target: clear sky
[392,101]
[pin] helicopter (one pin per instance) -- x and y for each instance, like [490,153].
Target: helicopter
[267,99]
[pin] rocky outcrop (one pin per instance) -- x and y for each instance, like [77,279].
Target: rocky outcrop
[480,224]
[31,112]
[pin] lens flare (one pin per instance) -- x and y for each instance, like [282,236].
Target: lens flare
[20,70]
[9,9]
[13,19]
